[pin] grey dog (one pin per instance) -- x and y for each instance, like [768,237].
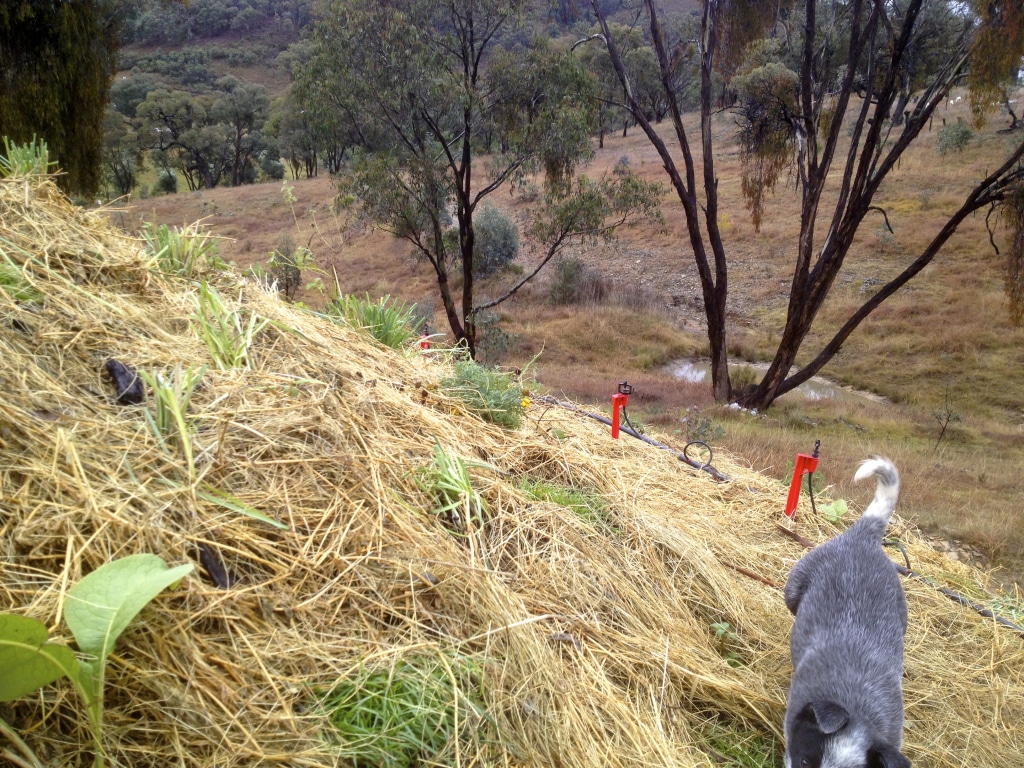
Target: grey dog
[845,705]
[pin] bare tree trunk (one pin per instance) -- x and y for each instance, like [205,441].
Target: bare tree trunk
[713,276]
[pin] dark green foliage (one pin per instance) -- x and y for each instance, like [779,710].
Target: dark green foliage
[954,137]
[122,156]
[188,67]
[271,167]
[129,91]
[157,23]
[497,242]
[56,64]
[166,181]
[210,138]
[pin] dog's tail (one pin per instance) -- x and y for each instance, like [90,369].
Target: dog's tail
[887,491]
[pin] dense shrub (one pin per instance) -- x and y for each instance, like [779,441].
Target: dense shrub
[496,244]
[166,181]
[271,167]
[576,283]
[954,137]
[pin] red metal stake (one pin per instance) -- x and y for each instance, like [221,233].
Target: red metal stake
[805,464]
[619,401]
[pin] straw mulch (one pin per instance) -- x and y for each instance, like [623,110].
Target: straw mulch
[597,641]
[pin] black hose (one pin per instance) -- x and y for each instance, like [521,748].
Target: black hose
[633,433]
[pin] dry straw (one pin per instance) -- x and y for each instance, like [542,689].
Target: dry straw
[655,637]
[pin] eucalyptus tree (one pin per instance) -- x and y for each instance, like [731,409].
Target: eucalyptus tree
[211,138]
[445,118]
[869,72]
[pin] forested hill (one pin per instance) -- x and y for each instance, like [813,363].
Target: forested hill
[192,44]
[204,94]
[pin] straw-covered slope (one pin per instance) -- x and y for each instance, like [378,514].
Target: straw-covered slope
[650,631]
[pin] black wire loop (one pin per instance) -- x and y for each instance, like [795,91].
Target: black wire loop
[695,462]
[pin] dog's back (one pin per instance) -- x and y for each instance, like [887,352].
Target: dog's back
[846,701]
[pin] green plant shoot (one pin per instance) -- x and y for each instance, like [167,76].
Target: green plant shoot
[225,333]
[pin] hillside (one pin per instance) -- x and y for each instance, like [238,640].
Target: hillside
[596,603]
[941,349]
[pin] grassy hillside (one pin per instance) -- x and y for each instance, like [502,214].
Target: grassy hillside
[382,575]
[940,353]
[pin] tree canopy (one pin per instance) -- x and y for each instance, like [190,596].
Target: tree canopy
[445,116]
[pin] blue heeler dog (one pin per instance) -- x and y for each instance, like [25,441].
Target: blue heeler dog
[845,705]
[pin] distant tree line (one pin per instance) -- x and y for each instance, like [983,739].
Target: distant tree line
[156,22]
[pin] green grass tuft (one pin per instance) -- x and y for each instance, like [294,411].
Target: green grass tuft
[587,505]
[392,322]
[490,393]
[412,713]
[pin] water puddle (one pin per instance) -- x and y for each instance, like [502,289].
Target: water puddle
[816,388]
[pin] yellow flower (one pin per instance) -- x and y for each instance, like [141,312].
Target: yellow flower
[526,402]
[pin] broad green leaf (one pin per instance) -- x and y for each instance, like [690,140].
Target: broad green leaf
[27,660]
[100,606]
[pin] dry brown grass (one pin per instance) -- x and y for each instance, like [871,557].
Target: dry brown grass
[942,343]
[596,643]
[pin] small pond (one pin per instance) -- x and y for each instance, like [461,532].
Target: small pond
[816,388]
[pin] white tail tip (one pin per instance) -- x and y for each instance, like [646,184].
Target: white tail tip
[888,490]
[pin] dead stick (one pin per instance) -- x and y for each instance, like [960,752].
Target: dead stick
[751,574]
[795,536]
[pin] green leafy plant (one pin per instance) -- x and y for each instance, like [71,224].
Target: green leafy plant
[227,333]
[169,419]
[835,511]
[490,393]
[410,714]
[31,159]
[183,251]
[447,480]
[587,505]
[391,322]
[97,610]
[730,643]
[700,428]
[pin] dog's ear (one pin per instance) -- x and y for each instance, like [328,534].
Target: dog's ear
[828,716]
[886,756]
